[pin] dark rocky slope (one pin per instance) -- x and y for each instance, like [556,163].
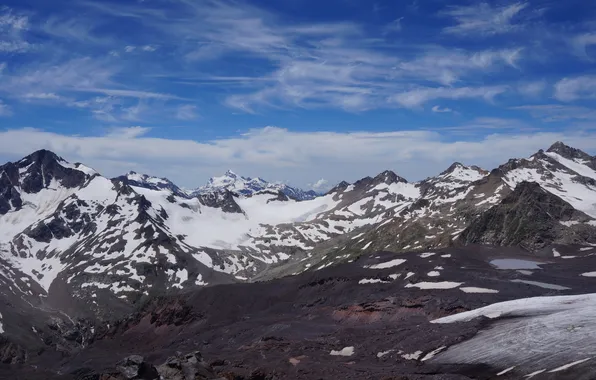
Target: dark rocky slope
[532,218]
[288,328]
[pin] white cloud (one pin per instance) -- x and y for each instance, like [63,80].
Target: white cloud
[447,66]
[186,112]
[320,184]
[149,48]
[559,112]
[301,157]
[532,89]
[483,18]
[5,109]
[438,109]
[128,93]
[8,20]
[321,65]
[127,133]
[42,96]
[72,75]
[78,29]
[582,42]
[12,32]
[394,26]
[417,97]
[570,89]
[129,49]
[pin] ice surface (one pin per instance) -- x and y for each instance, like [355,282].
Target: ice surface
[435,285]
[432,354]
[542,284]
[515,264]
[533,334]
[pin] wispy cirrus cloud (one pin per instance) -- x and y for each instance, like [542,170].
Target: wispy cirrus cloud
[484,19]
[532,89]
[582,42]
[5,109]
[447,66]
[570,89]
[123,62]
[559,112]
[419,96]
[331,65]
[13,27]
[186,112]
[438,109]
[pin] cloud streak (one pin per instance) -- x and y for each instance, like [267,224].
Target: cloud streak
[278,153]
[484,19]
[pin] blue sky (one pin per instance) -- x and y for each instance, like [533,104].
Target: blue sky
[295,90]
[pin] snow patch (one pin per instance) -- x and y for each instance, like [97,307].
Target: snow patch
[372,281]
[427,254]
[346,351]
[431,354]
[505,371]
[388,264]
[478,290]
[435,285]
[413,356]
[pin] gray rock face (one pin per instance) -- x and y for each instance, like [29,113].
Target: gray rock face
[34,173]
[135,367]
[530,217]
[187,367]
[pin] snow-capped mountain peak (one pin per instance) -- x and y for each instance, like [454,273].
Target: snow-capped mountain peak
[388,177]
[568,152]
[247,186]
[146,181]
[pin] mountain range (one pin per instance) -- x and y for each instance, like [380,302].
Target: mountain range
[79,250]
[64,223]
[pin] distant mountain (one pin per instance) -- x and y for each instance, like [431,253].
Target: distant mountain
[247,186]
[150,182]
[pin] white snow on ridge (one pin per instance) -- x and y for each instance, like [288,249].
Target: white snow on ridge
[580,196]
[409,190]
[388,264]
[577,167]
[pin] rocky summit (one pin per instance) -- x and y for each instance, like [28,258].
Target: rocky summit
[470,274]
